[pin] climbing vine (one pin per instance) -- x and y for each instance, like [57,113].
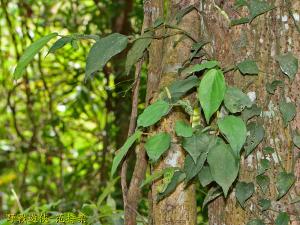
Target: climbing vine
[229,131]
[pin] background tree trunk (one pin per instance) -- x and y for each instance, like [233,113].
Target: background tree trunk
[267,36]
[180,207]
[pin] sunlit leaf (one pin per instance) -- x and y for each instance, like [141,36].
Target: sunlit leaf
[30,52]
[157,145]
[183,129]
[153,113]
[123,151]
[177,178]
[103,50]
[211,92]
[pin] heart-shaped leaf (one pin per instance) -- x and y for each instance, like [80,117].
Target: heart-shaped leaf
[191,168]
[284,183]
[223,165]
[205,176]
[248,67]
[282,219]
[271,87]
[248,113]
[235,100]
[265,204]
[211,92]
[157,145]
[288,111]
[235,131]
[153,113]
[243,191]
[288,64]
[258,7]
[263,182]
[256,135]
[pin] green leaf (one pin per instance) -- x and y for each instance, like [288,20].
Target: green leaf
[223,165]
[103,50]
[235,100]
[243,192]
[240,3]
[153,113]
[265,204]
[248,113]
[263,166]
[288,111]
[268,150]
[60,43]
[123,151]
[235,131]
[197,144]
[205,176]
[256,222]
[282,219]
[156,175]
[137,50]
[191,168]
[239,21]
[157,145]
[180,87]
[212,194]
[186,105]
[183,129]
[288,64]
[258,7]
[263,182]
[196,47]
[181,13]
[30,52]
[271,87]
[284,183]
[177,178]
[211,92]
[158,22]
[200,67]
[257,134]
[296,140]
[248,67]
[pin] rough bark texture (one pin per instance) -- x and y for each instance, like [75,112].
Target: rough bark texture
[180,207]
[267,36]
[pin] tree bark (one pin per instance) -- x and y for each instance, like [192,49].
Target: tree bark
[179,208]
[267,36]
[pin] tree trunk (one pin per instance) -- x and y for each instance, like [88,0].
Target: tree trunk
[267,36]
[180,207]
